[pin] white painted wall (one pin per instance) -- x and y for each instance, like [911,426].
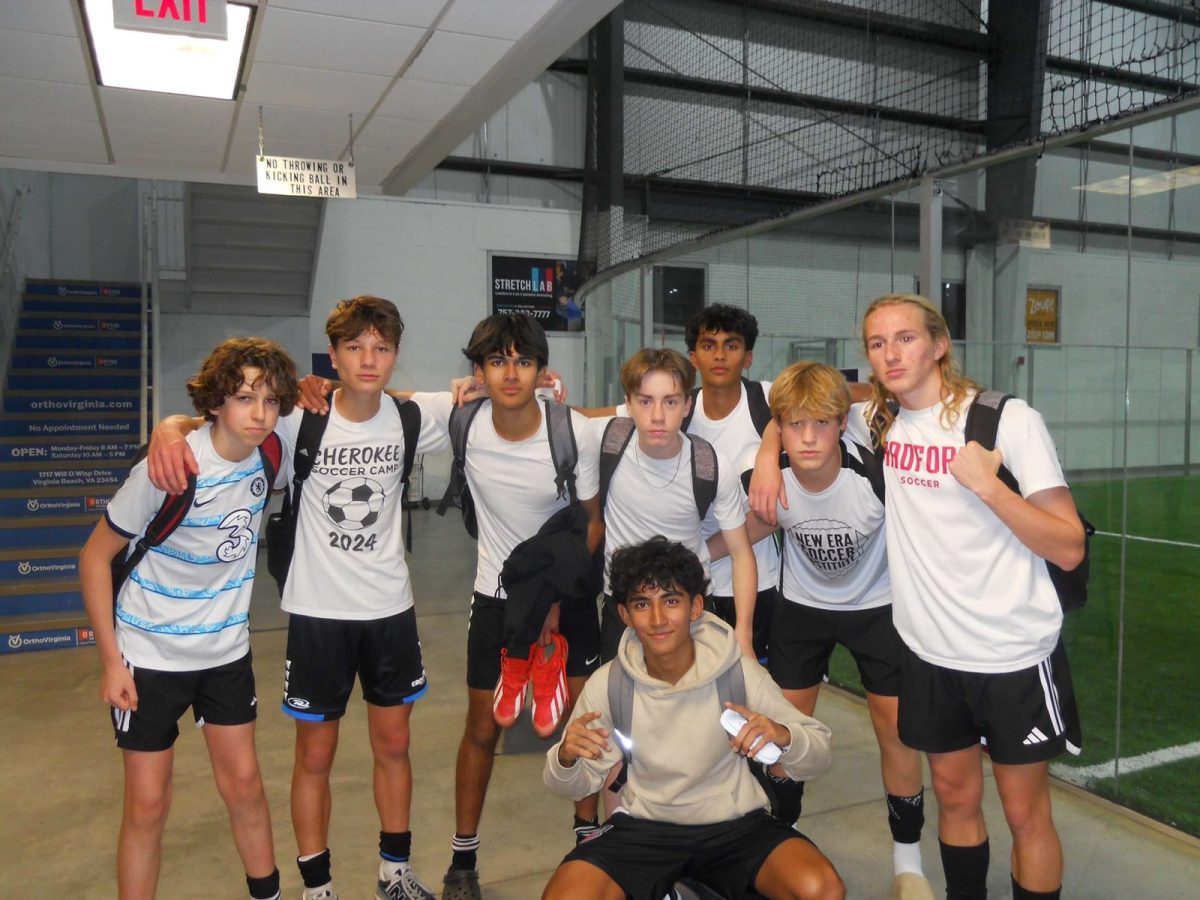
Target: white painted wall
[431,259]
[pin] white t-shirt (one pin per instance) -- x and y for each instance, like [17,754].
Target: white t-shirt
[738,441]
[834,548]
[512,482]
[348,562]
[186,606]
[967,594]
[650,496]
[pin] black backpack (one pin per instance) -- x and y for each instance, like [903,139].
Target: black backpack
[983,421]
[175,507]
[704,462]
[281,526]
[756,399]
[564,454]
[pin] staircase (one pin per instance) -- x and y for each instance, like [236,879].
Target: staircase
[68,429]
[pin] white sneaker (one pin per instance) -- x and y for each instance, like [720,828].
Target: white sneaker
[323,893]
[404,885]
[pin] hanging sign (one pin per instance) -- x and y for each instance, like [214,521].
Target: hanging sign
[306,177]
[1041,316]
[194,18]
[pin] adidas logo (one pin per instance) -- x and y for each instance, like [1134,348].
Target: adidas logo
[1035,737]
[303,451]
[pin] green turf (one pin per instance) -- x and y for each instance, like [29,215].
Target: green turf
[1160,684]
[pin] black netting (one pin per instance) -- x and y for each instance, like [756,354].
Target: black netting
[736,112]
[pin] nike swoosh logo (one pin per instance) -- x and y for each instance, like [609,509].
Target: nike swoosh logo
[594,659]
[200,503]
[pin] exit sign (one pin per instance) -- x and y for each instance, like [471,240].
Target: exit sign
[194,18]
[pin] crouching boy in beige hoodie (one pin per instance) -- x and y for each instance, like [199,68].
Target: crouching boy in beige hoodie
[689,805]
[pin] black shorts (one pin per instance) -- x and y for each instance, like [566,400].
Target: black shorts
[764,611]
[485,632]
[324,655]
[222,695]
[1023,717]
[803,637]
[645,858]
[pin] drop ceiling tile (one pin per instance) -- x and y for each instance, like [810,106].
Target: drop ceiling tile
[314,88]
[373,164]
[43,131]
[457,58]
[420,13]
[149,109]
[44,18]
[335,43]
[510,19]
[42,153]
[57,99]
[395,134]
[245,144]
[171,148]
[283,123]
[44,57]
[411,98]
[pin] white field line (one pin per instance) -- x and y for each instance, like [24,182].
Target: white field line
[1149,540]
[1085,774]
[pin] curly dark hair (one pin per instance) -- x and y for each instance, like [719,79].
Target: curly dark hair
[350,318]
[656,563]
[503,332]
[719,317]
[221,374]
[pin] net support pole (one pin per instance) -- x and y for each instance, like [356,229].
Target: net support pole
[930,271]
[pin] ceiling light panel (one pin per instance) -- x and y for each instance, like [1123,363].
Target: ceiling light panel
[170,64]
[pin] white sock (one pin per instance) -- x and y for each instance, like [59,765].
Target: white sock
[906,858]
[388,868]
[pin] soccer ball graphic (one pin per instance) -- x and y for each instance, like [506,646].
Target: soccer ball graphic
[354,504]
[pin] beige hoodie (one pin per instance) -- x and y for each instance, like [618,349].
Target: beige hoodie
[683,769]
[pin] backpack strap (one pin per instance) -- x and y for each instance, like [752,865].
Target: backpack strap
[616,437]
[704,474]
[170,514]
[271,453]
[620,708]
[694,396]
[731,686]
[982,425]
[410,425]
[459,426]
[760,409]
[564,452]
[867,464]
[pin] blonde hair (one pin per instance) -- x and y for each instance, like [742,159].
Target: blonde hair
[810,387]
[955,385]
[656,359]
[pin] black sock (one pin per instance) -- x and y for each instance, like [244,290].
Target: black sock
[466,851]
[1020,893]
[315,871]
[395,846]
[966,871]
[906,817]
[265,888]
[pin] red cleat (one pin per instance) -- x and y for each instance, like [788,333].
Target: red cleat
[549,677]
[509,699]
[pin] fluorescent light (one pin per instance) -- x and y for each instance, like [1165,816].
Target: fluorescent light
[169,64]
[1174,180]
